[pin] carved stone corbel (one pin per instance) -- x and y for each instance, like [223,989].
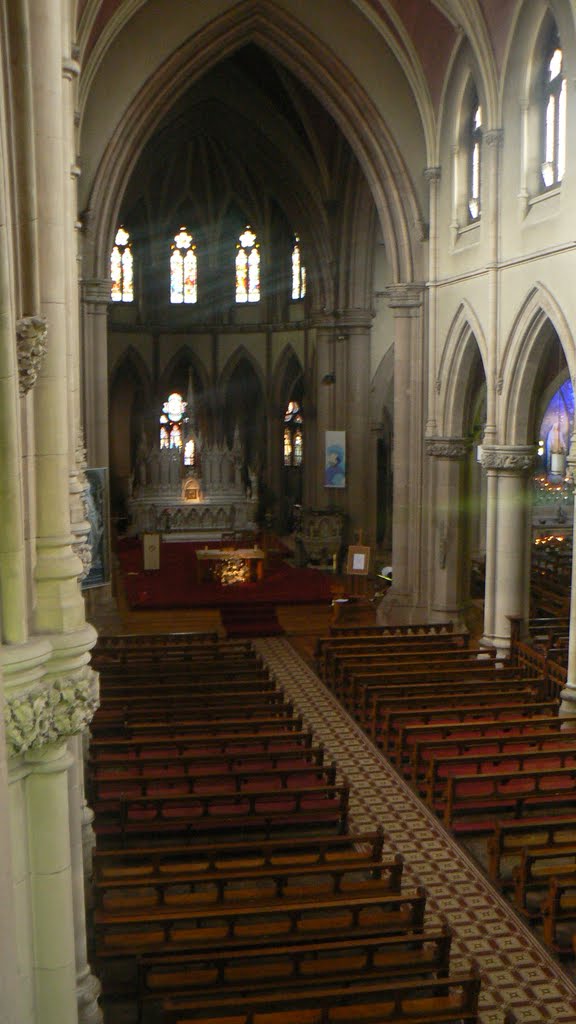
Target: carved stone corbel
[447,447]
[50,713]
[31,336]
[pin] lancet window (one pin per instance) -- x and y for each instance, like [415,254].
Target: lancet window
[474,160]
[293,438]
[183,268]
[553,115]
[122,268]
[298,271]
[247,267]
[172,421]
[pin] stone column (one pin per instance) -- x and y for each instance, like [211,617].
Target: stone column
[492,140]
[402,600]
[447,526]
[568,705]
[433,176]
[59,604]
[87,986]
[508,539]
[9,994]
[357,412]
[95,299]
[51,884]
[325,407]
[13,604]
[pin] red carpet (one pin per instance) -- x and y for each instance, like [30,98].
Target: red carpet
[175,586]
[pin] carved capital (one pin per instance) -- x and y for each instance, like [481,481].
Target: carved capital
[432,174]
[405,297]
[52,712]
[97,291]
[70,67]
[31,335]
[447,447]
[493,137]
[515,458]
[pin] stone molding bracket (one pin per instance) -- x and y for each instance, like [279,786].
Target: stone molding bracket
[31,346]
[447,447]
[52,712]
[517,458]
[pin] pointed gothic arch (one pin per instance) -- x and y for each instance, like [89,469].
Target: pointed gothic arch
[465,347]
[538,319]
[288,371]
[289,42]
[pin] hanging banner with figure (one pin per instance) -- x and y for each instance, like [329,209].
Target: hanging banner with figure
[335,458]
[96,499]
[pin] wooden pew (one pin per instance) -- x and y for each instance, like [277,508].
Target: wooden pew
[340,653]
[537,865]
[182,745]
[153,676]
[181,688]
[164,929]
[388,956]
[510,837]
[361,687]
[389,714]
[553,751]
[302,850]
[340,649]
[414,741]
[341,636]
[226,885]
[199,813]
[559,909]
[414,629]
[402,1001]
[339,665]
[205,764]
[197,716]
[152,780]
[476,766]
[117,716]
[170,736]
[383,701]
[473,803]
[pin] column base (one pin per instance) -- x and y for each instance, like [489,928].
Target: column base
[501,643]
[568,702]
[88,989]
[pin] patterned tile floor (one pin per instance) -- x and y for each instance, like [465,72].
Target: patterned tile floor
[516,970]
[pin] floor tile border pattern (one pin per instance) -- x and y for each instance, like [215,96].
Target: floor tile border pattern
[516,971]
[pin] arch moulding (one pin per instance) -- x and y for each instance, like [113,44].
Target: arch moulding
[465,336]
[520,360]
[286,40]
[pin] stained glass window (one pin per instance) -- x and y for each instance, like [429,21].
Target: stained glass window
[122,268]
[189,452]
[293,439]
[171,419]
[183,268]
[298,272]
[474,160]
[247,267]
[554,116]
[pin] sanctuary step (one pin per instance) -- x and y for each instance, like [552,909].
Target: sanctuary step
[250,620]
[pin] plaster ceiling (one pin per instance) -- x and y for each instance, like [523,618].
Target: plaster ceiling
[424,32]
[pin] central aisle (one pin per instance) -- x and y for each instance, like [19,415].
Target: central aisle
[516,970]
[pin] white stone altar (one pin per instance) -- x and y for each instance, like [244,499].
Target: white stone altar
[187,502]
